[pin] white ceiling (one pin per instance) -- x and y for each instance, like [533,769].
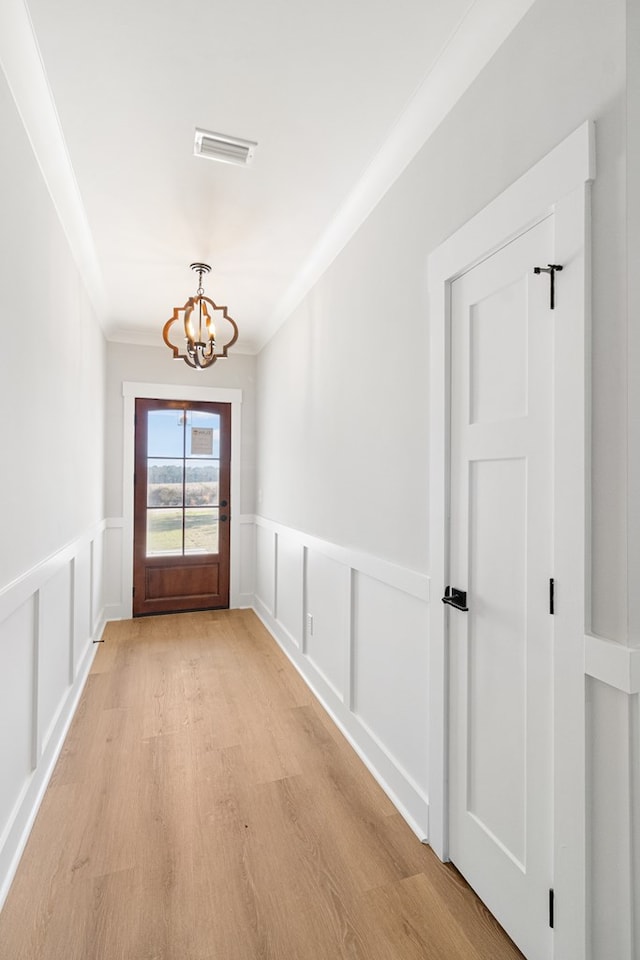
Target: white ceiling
[323,87]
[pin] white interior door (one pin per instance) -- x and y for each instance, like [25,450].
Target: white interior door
[500,553]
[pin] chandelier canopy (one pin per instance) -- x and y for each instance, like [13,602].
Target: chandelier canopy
[200,346]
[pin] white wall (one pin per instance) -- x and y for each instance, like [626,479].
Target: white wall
[343,445]
[51,370]
[51,486]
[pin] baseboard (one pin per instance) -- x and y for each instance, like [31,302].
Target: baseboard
[15,837]
[408,799]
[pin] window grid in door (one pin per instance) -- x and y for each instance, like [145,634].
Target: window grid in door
[183,483]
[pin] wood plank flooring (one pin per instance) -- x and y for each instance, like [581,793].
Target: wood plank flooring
[204,807]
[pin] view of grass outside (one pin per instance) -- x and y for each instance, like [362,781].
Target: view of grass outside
[183,483]
[164,531]
[165,491]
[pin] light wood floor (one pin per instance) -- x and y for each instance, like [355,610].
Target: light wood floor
[204,807]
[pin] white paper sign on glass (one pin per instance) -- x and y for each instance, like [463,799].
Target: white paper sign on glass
[202,441]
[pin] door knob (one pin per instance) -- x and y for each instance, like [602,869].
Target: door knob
[223,518]
[455,598]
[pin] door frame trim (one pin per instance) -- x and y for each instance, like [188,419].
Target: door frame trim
[557,185]
[132,391]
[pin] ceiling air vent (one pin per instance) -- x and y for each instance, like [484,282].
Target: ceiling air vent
[218,146]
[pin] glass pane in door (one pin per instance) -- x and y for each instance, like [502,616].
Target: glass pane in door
[183,476]
[165,433]
[164,532]
[201,486]
[164,483]
[201,530]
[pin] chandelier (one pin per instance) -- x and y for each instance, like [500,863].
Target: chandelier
[200,347]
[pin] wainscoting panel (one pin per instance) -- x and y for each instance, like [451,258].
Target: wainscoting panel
[97,576]
[390,671]
[610,820]
[55,646]
[328,616]
[113,585]
[247,564]
[49,619]
[82,632]
[17,669]
[346,620]
[266,568]
[290,581]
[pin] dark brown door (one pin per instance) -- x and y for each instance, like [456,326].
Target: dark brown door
[181,506]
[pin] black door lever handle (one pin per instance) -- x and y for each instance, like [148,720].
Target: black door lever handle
[455,598]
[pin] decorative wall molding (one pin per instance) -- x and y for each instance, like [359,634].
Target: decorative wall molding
[15,593]
[13,838]
[114,607]
[612,663]
[402,578]
[49,620]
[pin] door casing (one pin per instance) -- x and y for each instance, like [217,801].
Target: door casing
[557,185]
[166,391]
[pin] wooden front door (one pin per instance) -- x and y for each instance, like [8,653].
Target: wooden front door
[181,506]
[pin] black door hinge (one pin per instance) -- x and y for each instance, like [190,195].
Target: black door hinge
[552,596]
[133,591]
[551,908]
